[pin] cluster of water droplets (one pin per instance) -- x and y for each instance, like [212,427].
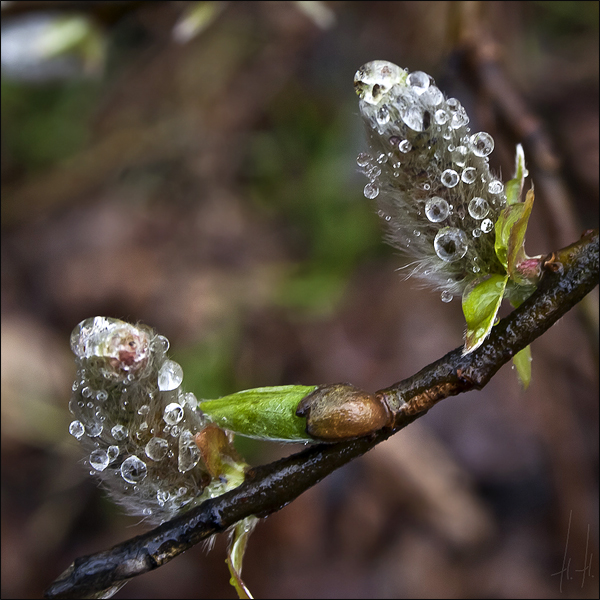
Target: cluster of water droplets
[430,176]
[134,419]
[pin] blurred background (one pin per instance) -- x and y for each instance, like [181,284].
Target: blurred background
[193,166]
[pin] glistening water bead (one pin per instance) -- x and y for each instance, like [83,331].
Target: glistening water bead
[451,244]
[76,429]
[478,208]
[371,191]
[482,143]
[419,81]
[99,460]
[157,448]
[450,178]
[173,413]
[436,209]
[133,470]
[469,175]
[170,376]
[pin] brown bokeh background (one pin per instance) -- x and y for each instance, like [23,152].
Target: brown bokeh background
[210,190]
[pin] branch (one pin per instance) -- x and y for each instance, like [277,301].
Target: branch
[569,274]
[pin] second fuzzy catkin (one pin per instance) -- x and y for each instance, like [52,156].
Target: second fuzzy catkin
[429,176]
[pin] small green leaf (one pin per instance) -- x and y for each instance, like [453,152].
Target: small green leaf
[508,217]
[522,362]
[267,413]
[516,241]
[235,554]
[510,233]
[481,302]
[514,187]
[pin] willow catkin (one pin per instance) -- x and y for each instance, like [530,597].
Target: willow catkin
[429,176]
[134,420]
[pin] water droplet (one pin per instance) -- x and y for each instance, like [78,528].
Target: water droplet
[436,209]
[190,400]
[163,342]
[381,159]
[157,448]
[99,460]
[173,413]
[371,191]
[87,392]
[450,178]
[459,119]
[478,208]
[119,432]
[419,81]
[482,143]
[76,429]
[495,187]
[175,431]
[101,395]
[413,117]
[383,115]
[453,104]
[416,233]
[446,296]
[476,269]
[362,160]
[405,146]
[144,409]
[373,80]
[189,455]
[441,116]
[170,376]
[469,175]
[459,156]
[432,96]
[487,225]
[476,232]
[133,470]
[93,428]
[112,452]
[126,345]
[450,244]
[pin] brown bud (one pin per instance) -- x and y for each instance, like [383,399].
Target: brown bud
[342,411]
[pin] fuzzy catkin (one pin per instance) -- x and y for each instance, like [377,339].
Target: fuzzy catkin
[134,420]
[429,176]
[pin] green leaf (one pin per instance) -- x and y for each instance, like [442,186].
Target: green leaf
[522,362]
[235,554]
[510,234]
[481,302]
[516,241]
[267,413]
[514,187]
